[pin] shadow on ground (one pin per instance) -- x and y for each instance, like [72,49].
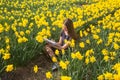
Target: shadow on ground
[27,73]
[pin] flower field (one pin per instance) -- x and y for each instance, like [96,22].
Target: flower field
[96,56]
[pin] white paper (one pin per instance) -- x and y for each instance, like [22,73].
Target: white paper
[50,41]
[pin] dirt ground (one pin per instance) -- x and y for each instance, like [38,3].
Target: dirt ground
[26,73]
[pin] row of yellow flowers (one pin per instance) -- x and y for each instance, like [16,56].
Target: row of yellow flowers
[25,22]
[110,50]
[112,23]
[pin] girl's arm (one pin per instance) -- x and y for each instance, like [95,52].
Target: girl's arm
[60,41]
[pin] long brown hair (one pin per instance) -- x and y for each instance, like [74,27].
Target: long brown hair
[69,24]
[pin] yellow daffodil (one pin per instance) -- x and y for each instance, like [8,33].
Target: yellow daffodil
[6,56]
[100,77]
[92,59]
[73,55]
[87,60]
[54,59]
[48,75]
[57,52]
[81,44]
[78,55]
[9,68]
[66,78]
[63,65]
[35,69]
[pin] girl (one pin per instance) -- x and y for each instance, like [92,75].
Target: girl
[67,33]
